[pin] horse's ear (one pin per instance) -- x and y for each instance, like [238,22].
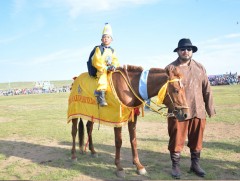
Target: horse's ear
[178,72]
[170,70]
[173,71]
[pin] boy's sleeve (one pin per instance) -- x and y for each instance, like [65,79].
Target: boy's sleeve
[98,61]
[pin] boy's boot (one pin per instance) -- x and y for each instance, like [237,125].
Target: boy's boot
[175,157]
[101,98]
[195,166]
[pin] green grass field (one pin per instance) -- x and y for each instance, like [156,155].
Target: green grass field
[35,142]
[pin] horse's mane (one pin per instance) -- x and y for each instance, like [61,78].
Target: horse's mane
[134,68]
[157,70]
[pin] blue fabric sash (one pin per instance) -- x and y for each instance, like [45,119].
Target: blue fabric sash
[143,84]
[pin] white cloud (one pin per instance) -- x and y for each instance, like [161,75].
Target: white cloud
[220,39]
[39,22]
[61,56]
[148,62]
[10,39]
[77,7]
[236,35]
[219,56]
[49,66]
[53,57]
[18,6]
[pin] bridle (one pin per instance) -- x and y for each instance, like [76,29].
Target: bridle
[176,109]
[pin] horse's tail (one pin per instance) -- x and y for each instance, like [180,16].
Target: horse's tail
[81,133]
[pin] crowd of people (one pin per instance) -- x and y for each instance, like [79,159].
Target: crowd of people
[34,90]
[225,79]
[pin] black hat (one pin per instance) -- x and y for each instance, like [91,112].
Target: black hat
[185,43]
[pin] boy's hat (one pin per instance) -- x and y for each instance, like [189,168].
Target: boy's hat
[107,30]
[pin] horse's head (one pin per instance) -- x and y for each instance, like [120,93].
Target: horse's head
[175,98]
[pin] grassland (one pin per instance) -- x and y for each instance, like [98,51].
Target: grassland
[35,142]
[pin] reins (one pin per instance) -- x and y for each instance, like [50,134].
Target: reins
[128,84]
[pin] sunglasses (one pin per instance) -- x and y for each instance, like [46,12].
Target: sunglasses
[185,48]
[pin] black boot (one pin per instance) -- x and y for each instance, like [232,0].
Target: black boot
[175,157]
[101,98]
[195,166]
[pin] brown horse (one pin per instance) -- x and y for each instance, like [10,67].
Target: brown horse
[126,84]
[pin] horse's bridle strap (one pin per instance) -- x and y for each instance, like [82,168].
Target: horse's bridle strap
[162,92]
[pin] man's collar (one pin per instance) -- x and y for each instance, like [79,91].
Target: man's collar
[184,63]
[105,46]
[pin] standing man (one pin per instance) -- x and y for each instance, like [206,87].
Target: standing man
[200,101]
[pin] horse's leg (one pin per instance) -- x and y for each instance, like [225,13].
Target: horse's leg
[89,132]
[74,133]
[81,136]
[133,140]
[118,143]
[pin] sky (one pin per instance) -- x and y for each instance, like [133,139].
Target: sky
[46,40]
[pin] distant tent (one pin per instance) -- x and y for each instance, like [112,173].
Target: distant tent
[46,85]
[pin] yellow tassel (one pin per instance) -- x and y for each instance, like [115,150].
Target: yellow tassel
[142,110]
[120,114]
[133,115]
[162,93]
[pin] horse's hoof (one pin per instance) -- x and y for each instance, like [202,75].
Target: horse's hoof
[142,172]
[74,159]
[94,155]
[82,152]
[120,173]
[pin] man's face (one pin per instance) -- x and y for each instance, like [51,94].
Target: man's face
[106,40]
[185,53]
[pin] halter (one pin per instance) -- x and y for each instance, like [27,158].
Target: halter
[162,94]
[163,91]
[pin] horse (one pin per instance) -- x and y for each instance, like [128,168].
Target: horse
[125,80]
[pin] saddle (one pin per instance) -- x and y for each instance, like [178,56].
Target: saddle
[83,104]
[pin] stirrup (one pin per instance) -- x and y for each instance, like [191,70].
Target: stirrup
[100,95]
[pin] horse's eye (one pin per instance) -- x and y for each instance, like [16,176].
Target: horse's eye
[176,91]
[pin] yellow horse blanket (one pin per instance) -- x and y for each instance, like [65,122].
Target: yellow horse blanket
[83,104]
